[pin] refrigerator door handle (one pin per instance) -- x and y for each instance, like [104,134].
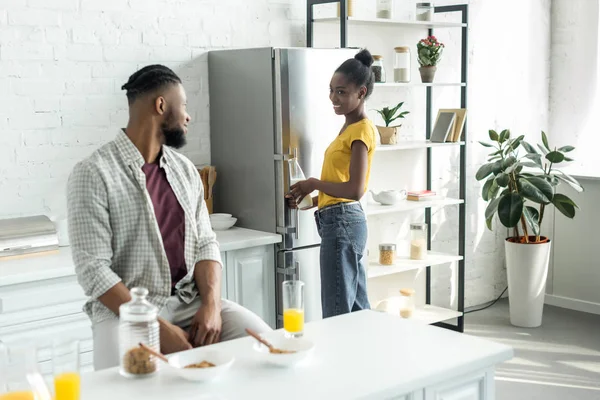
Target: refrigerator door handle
[296,211]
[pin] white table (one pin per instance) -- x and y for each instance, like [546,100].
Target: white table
[363,355]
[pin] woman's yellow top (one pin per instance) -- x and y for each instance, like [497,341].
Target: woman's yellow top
[336,165]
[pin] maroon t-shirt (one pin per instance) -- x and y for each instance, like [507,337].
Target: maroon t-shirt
[170,218]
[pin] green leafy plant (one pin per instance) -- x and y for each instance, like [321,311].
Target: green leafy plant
[429,51]
[519,188]
[389,114]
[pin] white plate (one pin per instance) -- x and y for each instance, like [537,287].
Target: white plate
[221,360]
[222,224]
[303,348]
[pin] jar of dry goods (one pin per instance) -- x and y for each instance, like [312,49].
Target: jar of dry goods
[138,323]
[402,64]
[425,11]
[418,241]
[378,70]
[407,302]
[387,253]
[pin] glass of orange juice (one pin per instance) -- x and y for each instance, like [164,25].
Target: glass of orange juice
[293,308]
[19,376]
[65,364]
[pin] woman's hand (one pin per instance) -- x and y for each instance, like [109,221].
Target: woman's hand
[300,190]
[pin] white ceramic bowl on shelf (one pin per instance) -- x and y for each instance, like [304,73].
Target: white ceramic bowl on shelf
[220,216]
[222,361]
[222,224]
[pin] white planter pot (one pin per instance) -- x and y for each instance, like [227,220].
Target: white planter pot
[527,269]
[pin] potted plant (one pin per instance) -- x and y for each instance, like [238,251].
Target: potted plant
[388,133]
[429,52]
[519,189]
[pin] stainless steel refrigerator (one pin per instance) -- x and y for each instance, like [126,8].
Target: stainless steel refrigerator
[266,106]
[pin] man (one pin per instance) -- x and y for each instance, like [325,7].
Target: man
[137,218]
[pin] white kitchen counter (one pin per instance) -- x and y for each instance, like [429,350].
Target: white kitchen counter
[60,264]
[363,355]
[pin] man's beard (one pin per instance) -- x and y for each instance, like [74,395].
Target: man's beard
[174,136]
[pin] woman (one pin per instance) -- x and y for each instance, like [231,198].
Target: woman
[341,221]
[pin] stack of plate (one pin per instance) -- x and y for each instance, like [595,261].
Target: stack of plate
[222,222]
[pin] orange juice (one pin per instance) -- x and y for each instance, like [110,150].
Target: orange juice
[293,320]
[18,396]
[66,386]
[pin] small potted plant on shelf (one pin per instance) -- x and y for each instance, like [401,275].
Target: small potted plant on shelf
[429,52]
[389,133]
[519,189]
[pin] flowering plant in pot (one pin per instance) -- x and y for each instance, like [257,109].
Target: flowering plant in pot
[388,133]
[519,189]
[429,52]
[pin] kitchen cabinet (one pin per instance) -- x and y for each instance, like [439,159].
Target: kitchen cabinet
[251,280]
[41,300]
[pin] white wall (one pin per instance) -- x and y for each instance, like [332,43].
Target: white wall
[62,63]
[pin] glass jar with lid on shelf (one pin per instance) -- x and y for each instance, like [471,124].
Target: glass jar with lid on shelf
[378,69]
[402,64]
[418,241]
[385,9]
[407,302]
[425,11]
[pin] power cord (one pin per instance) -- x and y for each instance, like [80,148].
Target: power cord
[489,305]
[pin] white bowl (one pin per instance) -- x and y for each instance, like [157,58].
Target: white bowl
[221,360]
[220,216]
[302,347]
[222,224]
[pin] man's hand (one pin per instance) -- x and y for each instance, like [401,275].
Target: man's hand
[172,338]
[206,326]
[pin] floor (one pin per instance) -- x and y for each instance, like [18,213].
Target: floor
[559,360]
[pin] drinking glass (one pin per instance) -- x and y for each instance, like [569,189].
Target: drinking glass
[293,308]
[65,365]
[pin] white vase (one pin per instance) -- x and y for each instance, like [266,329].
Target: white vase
[527,269]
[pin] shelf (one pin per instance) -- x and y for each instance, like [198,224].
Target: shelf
[420,84]
[406,205]
[431,314]
[404,264]
[415,144]
[395,22]
[426,314]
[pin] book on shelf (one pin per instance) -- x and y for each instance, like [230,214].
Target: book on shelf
[443,127]
[421,195]
[458,124]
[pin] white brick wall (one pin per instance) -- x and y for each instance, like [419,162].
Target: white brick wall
[62,64]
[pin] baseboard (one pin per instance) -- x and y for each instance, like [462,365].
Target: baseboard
[572,304]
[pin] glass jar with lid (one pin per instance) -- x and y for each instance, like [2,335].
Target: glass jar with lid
[402,64]
[418,241]
[378,69]
[138,323]
[425,11]
[407,302]
[384,9]
[387,253]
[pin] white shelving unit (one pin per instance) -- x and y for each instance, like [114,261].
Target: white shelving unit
[428,314]
[392,22]
[406,206]
[404,264]
[415,144]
